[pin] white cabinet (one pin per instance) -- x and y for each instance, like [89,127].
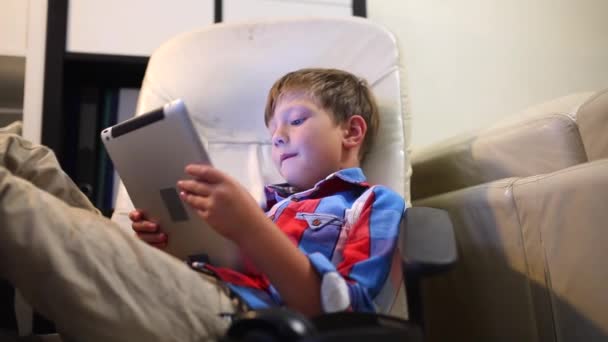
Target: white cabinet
[131,27]
[13,45]
[22,50]
[237,10]
[13,27]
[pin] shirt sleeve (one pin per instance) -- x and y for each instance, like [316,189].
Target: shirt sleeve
[365,255]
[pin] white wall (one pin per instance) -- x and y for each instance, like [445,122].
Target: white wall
[470,63]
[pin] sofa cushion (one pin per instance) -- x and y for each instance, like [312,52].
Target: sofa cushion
[540,139]
[563,219]
[486,296]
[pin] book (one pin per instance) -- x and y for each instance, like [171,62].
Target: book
[105,170]
[87,141]
[115,105]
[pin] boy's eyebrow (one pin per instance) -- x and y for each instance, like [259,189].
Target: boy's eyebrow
[287,111]
[290,109]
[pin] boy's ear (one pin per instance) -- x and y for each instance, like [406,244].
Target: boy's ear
[354,131]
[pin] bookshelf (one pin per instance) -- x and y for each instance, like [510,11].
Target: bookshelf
[12,75]
[87,67]
[92,84]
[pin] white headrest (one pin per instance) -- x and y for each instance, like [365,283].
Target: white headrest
[223,73]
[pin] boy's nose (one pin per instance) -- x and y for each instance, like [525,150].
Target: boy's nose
[279,140]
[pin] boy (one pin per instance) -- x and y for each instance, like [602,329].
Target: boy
[325,255]
[100,284]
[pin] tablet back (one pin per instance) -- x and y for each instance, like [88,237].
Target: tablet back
[150,152]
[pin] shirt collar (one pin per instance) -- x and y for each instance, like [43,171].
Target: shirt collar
[352,176]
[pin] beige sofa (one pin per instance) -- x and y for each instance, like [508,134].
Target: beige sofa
[529,202]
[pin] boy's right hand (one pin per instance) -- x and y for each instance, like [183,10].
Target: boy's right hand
[148,231]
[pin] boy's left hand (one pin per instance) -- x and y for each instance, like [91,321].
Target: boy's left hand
[219,199]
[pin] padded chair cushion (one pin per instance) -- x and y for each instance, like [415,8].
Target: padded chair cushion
[224,73]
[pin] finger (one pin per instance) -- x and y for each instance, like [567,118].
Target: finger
[194,187]
[153,237]
[136,215]
[203,213]
[145,227]
[196,202]
[206,173]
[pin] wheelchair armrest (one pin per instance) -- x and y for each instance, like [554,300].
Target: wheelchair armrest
[427,241]
[364,326]
[272,324]
[427,247]
[280,324]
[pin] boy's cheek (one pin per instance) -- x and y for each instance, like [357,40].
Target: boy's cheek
[275,160]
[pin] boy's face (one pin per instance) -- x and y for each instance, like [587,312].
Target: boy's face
[306,143]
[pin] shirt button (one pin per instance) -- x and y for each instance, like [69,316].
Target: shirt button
[316,222]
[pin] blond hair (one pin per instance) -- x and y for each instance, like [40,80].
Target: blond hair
[339,92]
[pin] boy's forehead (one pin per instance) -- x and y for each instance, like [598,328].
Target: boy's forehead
[294,96]
[290,102]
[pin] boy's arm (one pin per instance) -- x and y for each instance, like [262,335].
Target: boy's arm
[366,255]
[288,269]
[371,246]
[303,280]
[232,212]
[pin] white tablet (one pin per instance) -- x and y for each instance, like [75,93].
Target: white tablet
[150,152]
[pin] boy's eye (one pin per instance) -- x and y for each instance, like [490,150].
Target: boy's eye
[297,122]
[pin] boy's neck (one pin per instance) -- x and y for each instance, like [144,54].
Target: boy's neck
[286,189]
[350,158]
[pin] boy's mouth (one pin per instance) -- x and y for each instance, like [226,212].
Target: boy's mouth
[287,156]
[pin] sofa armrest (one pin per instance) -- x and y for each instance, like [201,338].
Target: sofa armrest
[531,263]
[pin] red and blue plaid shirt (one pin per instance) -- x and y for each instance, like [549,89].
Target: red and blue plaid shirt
[349,232]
